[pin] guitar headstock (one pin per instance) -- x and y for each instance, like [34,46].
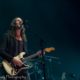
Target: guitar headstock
[50,49]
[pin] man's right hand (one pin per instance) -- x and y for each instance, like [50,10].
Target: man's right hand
[17,62]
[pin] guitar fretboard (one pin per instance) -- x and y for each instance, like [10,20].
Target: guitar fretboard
[33,55]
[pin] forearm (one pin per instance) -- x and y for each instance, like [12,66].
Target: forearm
[5,55]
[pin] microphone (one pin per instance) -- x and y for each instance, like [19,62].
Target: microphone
[26,24]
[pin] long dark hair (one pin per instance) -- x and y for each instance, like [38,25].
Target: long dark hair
[12,28]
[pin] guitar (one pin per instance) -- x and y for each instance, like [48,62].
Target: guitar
[13,70]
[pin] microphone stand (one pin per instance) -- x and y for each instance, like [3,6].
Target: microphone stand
[43,59]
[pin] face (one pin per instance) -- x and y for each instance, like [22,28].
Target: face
[18,27]
[18,22]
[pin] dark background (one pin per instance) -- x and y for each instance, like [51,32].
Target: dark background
[57,22]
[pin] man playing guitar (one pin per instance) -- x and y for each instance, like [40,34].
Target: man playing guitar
[13,43]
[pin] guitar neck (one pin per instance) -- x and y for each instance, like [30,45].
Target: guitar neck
[39,52]
[32,56]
